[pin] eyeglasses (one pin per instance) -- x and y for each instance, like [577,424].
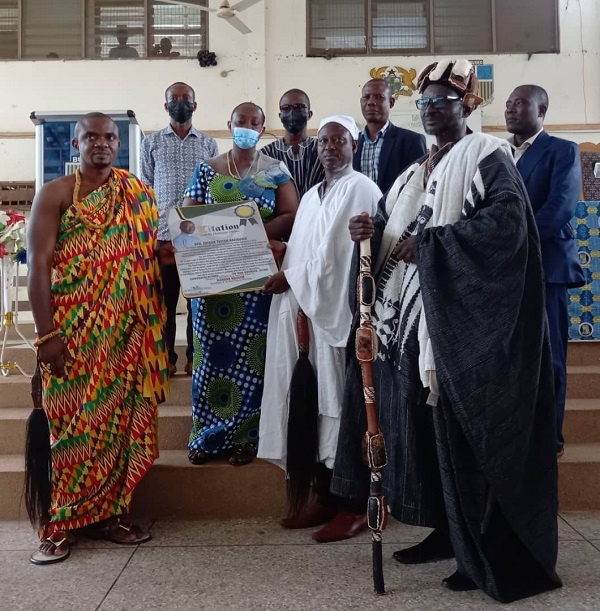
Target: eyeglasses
[334,140]
[439,101]
[290,107]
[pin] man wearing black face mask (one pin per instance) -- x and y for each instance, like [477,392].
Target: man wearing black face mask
[296,149]
[169,157]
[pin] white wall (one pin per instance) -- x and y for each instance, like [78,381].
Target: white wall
[266,63]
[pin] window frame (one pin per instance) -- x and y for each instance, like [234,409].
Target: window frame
[369,51]
[149,32]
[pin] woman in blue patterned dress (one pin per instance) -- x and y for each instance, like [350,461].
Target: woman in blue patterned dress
[230,330]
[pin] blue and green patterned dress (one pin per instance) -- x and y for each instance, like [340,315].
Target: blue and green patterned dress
[230,331]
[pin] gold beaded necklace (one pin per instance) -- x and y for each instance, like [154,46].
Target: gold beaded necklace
[237,172]
[108,202]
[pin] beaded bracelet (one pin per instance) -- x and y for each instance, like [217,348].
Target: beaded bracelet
[42,340]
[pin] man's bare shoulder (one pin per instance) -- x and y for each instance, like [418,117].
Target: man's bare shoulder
[56,193]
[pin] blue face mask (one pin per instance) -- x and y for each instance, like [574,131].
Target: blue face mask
[245,138]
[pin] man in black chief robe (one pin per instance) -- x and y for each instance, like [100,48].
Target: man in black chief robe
[463,376]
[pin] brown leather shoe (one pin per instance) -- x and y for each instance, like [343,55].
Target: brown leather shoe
[345,525]
[314,514]
[189,368]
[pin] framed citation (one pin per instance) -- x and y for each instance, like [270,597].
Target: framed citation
[220,248]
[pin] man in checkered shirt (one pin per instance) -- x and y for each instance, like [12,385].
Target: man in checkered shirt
[169,157]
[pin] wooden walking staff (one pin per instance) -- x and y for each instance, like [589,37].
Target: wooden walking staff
[374,443]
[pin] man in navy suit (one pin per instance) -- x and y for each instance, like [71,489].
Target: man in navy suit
[384,150]
[551,171]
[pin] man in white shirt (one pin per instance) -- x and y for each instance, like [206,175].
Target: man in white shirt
[187,238]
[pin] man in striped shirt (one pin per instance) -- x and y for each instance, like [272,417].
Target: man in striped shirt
[296,149]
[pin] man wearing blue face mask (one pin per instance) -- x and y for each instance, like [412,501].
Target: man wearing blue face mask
[169,157]
[297,149]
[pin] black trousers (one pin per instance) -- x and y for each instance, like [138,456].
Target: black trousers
[171,289]
[557,310]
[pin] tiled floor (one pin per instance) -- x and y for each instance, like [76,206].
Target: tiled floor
[255,565]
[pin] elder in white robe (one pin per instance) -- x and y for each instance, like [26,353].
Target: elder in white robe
[317,268]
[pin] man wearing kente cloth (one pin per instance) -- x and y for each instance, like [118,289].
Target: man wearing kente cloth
[463,376]
[98,313]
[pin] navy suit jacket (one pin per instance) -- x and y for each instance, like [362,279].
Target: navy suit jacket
[551,171]
[400,148]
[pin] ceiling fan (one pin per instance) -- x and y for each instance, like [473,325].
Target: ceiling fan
[225,11]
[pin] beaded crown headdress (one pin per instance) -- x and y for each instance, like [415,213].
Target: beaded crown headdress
[457,74]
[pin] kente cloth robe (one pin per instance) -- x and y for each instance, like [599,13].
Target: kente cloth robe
[106,302]
[316,266]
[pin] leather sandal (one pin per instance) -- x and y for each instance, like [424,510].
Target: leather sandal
[54,548]
[198,457]
[118,530]
[242,455]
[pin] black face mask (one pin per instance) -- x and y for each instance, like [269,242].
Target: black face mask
[180,110]
[294,121]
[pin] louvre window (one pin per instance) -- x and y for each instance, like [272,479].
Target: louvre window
[183,25]
[431,27]
[51,28]
[9,29]
[115,29]
[102,29]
